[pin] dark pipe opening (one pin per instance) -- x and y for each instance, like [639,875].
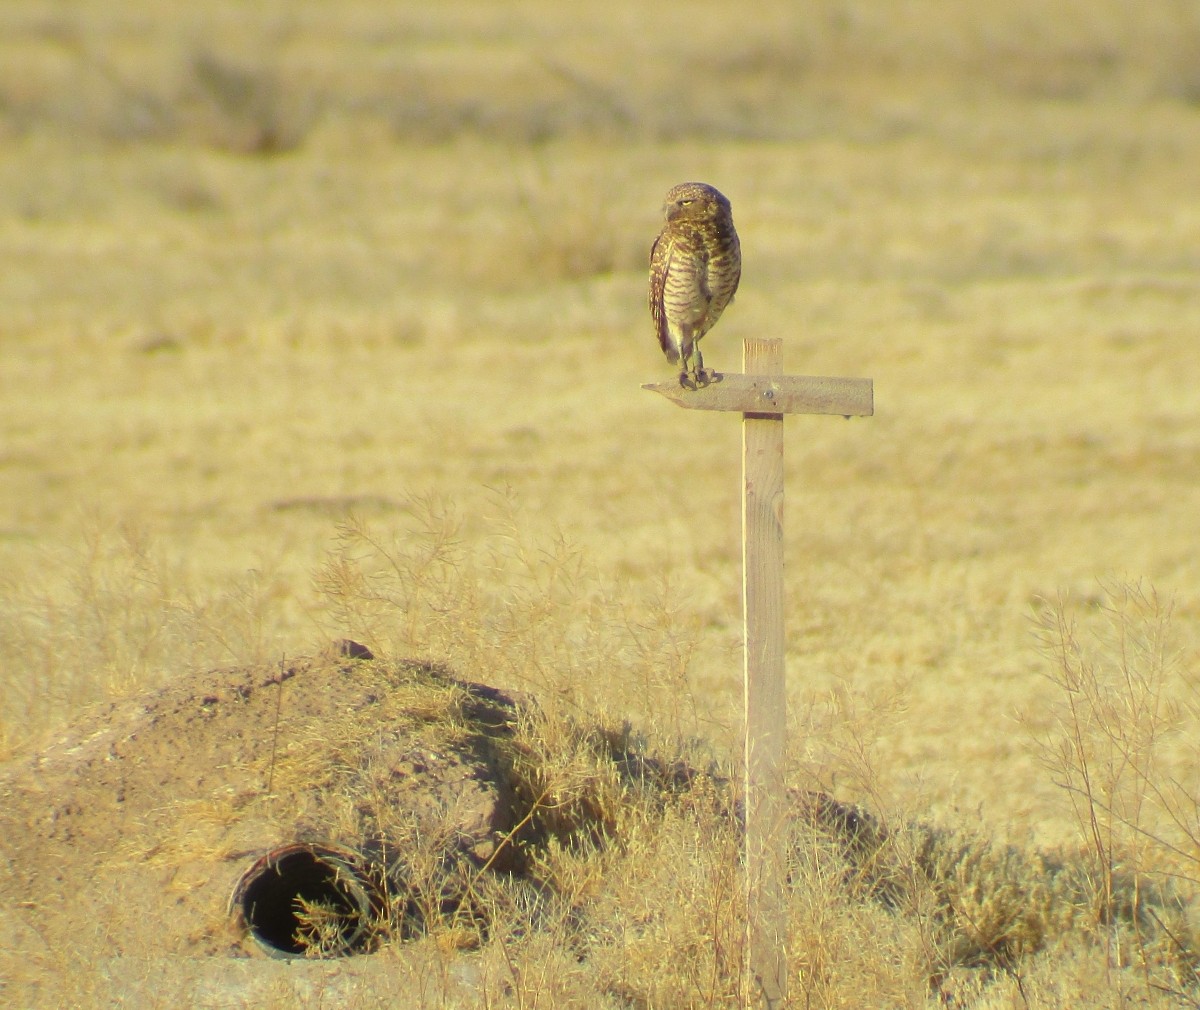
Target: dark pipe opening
[310,900]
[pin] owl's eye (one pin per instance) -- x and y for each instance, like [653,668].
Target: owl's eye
[684,203]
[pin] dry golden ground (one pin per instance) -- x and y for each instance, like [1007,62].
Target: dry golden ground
[262,270]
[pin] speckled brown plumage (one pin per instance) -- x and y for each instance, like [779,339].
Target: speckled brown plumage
[695,266]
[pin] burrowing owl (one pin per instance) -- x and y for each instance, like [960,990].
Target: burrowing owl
[695,266]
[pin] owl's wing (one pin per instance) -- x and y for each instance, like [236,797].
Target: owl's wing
[660,263]
[737,270]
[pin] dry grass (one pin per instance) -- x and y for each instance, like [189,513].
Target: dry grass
[322,323]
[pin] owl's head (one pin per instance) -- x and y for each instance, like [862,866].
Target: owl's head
[695,201]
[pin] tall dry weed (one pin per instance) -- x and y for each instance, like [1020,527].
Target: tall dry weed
[110,615]
[517,611]
[1122,745]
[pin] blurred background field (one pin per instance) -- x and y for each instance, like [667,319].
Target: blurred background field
[267,268]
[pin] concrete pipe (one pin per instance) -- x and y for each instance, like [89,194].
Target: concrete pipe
[310,900]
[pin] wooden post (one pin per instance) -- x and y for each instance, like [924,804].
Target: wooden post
[763,396]
[765,691]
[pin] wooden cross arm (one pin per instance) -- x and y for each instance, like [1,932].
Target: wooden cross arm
[775,394]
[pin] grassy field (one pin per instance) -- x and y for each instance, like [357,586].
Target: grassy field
[288,287]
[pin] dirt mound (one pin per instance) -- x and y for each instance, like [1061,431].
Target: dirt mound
[135,826]
[340,802]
